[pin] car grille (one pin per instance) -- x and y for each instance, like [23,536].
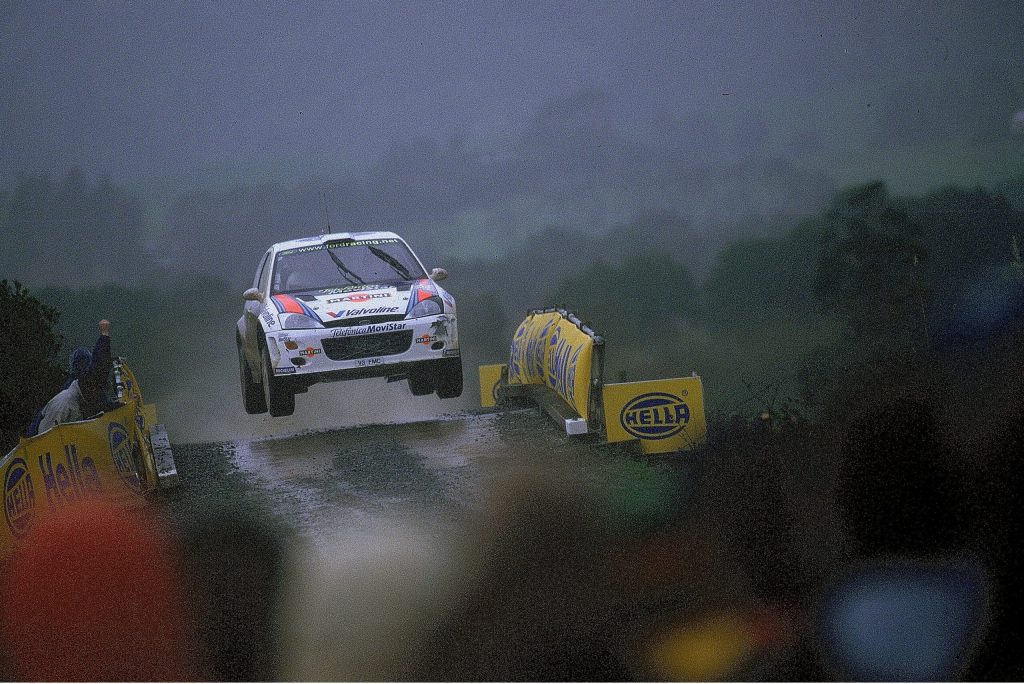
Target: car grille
[363,320]
[363,346]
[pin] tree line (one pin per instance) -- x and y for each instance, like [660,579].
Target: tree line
[874,286]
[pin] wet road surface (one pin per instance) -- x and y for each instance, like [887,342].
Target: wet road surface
[362,478]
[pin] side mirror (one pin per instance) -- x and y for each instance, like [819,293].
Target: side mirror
[438,274]
[252,295]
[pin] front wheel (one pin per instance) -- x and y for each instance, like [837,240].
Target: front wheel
[421,381]
[252,397]
[280,402]
[449,378]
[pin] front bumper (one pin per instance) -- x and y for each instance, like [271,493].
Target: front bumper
[316,355]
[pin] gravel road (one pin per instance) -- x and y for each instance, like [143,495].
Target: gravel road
[375,477]
[370,475]
[345,491]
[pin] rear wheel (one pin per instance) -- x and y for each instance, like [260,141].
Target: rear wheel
[252,395]
[449,378]
[280,402]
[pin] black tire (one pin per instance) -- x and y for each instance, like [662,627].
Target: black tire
[280,402]
[252,394]
[421,381]
[449,378]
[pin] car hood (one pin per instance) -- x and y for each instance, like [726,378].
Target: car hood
[337,304]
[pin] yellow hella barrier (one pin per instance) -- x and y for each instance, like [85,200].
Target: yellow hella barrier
[119,456]
[567,365]
[490,382]
[554,349]
[557,361]
[665,415]
[529,349]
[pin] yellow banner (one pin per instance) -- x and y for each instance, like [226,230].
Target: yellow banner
[527,356]
[551,350]
[490,380]
[567,364]
[665,415]
[107,457]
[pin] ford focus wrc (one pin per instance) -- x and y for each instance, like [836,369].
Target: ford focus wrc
[340,307]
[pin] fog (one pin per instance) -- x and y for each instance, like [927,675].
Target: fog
[161,147]
[470,128]
[202,412]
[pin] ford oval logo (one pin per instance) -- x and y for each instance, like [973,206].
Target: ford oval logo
[655,415]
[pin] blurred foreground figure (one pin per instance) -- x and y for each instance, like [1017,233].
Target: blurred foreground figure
[234,565]
[92,594]
[517,594]
[714,587]
[352,611]
[535,599]
[1001,658]
[914,603]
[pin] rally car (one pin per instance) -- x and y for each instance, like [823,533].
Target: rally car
[340,307]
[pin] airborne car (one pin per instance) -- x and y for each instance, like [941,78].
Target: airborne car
[340,307]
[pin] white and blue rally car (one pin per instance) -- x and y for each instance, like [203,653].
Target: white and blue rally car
[340,307]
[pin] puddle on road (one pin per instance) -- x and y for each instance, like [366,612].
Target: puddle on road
[376,475]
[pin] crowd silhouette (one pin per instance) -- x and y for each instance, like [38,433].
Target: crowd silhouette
[883,561]
[883,547]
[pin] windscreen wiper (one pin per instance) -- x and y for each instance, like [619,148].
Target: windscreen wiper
[391,261]
[346,272]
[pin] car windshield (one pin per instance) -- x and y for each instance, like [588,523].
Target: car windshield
[344,262]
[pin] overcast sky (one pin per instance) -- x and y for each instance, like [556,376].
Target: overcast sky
[179,88]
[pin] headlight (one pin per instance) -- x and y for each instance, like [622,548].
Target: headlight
[428,307]
[299,321]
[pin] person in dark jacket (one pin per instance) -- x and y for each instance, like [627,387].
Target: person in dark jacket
[83,394]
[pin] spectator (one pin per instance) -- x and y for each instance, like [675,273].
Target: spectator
[913,604]
[94,593]
[519,593]
[78,362]
[234,564]
[84,395]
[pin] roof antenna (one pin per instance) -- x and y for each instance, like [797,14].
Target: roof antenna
[323,204]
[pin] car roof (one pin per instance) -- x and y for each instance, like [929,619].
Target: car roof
[326,237]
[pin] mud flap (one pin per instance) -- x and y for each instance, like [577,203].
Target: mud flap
[166,470]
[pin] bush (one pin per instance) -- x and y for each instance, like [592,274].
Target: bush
[31,349]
